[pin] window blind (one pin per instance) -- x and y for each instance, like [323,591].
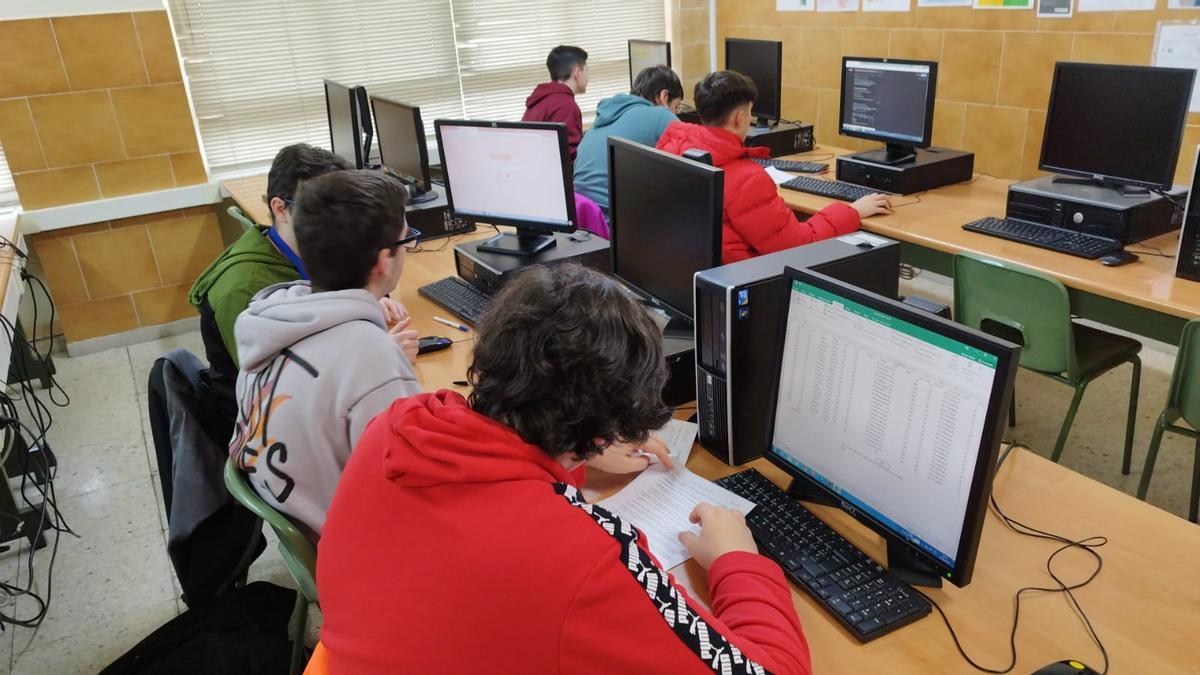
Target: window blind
[255,67]
[8,192]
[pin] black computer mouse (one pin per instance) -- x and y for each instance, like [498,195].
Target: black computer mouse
[1068,667]
[433,344]
[1118,258]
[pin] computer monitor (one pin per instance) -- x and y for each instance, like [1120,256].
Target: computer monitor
[890,101]
[645,54]
[761,61]
[893,414]
[349,122]
[1116,125]
[402,146]
[666,222]
[509,173]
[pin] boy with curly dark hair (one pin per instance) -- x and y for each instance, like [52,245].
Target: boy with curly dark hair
[458,540]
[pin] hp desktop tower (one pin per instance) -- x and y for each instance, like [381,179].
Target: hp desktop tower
[738,308]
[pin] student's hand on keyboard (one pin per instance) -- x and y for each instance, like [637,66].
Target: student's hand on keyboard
[407,340]
[393,311]
[721,531]
[631,457]
[872,205]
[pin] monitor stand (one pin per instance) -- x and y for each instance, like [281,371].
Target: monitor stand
[524,243]
[893,154]
[422,196]
[1123,190]
[763,122]
[900,562]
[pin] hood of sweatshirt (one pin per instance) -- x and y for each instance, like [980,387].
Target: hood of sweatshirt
[252,247]
[612,108]
[724,146]
[436,439]
[547,90]
[283,314]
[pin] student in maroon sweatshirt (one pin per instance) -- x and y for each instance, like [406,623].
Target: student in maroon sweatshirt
[554,101]
[458,541]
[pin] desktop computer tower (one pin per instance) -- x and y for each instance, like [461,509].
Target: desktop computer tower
[932,168]
[488,271]
[433,217]
[738,309]
[784,138]
[1094,209]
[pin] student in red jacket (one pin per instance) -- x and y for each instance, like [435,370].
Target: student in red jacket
[757,220]
[458,540]
[554,101]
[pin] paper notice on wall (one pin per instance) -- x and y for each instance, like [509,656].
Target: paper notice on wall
[944,3]
[1183,4]
[1003,4]
[793,5]
[886,5]
[837,5]
[1115,5]
[1055,9]
[1177,45]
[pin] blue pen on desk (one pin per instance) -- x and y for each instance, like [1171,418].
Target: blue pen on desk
[450,323]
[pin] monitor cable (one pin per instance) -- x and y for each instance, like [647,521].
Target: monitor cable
[1086,544]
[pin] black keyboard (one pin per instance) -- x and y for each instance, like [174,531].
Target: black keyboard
[867,599]
[1054,238]
[834,189]
[458,296]
[793,167]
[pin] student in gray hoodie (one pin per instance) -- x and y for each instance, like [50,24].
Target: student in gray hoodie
[317,359]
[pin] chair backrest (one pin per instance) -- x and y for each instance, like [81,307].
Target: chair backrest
[590,217]
[299,555]
[1000,298]
[1184,394]
[237,214]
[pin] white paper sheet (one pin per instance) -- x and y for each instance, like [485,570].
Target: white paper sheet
[793,5]
[944,3]
[886,5]
[659,502]
[1177,45]
[837,5]
[779,176]
[678,436]
[1183,4]
[1115,5]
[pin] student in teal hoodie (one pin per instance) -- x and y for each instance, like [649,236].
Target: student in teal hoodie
[640,116]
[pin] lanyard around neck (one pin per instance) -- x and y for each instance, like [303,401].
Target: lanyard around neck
[287,252]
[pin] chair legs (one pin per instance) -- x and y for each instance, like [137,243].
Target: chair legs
[298,627]
[1131,419]
[1151,456]
[1068,421]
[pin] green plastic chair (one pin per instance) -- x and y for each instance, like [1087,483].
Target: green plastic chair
[1034,310]
[1183,401]
[299,555]
[239,215]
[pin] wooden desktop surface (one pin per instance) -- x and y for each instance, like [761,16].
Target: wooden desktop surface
[1145,603]
[934,220]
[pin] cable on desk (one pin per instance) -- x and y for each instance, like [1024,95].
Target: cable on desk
[1087,544]
[915,200]
[1153,251]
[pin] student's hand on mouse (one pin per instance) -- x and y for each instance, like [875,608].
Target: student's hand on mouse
[405,339]
[872,205]
[393,311]
[631,457]
[722,531]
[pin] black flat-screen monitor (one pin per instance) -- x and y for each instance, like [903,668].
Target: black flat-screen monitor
[345,126]
[761,61]
[666,221]
[895,415]
[1116,125]
[645,54]
[890,101]
[509,173]
[402,145]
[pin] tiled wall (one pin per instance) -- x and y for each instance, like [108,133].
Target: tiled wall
[689,42]
[116,276]
[93,107]
[994,76]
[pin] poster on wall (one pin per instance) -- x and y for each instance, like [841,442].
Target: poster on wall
[1115,5]
[944,3]
[837,5]
[886,5]
[1055,9]
[1177,45]
[793,5]
[1183,4]
[1003,4]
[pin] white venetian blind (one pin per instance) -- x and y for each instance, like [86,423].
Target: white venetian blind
[255,67]
[8,192]
[502,47]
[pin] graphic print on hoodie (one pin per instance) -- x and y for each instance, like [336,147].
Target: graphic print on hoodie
[316,368]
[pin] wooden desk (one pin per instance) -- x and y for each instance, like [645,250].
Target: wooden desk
[1145,604]
[1144,297]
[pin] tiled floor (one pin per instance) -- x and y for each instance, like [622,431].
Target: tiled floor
[114,584]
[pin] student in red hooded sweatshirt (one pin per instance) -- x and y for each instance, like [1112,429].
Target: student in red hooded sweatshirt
[554,101]
[458,541]
[756,219]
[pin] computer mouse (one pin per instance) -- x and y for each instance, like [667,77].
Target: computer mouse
[1068,667]
[1118,258]
[432,343]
